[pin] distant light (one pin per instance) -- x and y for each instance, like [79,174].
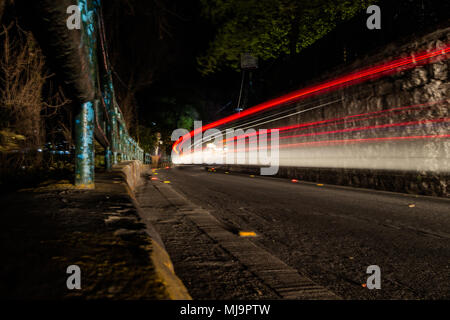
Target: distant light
[39,150]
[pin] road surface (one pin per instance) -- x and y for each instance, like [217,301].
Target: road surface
[328,234]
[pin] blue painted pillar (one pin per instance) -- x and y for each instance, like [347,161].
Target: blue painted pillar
[114,134]
[120,140]
[84,146]
[109,128]
[126,148]
[108,158]
[108,152]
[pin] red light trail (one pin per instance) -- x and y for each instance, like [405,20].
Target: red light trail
[335,121]
[333,142]
[344,141]
[390,125]
[349,79]
[347,141]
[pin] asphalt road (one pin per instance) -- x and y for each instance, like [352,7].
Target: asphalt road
[331,234]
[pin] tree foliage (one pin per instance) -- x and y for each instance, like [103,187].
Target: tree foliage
[24,106]
[269,28]
[171,113]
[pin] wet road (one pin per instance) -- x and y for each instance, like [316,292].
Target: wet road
[331,234]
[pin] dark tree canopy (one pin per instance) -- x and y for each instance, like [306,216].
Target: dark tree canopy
[269,28]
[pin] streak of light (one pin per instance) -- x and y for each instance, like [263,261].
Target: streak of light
[349,141]
[334,121]
[349,79]
[390,125]
[345,141]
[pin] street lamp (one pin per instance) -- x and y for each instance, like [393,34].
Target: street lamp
[248,63]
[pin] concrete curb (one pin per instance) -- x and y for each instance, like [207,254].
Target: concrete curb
[166,273]
[131,171]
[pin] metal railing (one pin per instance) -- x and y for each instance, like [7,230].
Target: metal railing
[100,119]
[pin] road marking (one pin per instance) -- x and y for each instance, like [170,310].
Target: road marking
[247,234]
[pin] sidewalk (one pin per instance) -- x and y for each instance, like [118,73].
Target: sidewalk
[47,229]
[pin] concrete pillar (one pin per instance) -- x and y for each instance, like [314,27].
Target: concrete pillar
[108,158]
[84,146]
[111,128]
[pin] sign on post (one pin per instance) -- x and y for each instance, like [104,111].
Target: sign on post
[248,61]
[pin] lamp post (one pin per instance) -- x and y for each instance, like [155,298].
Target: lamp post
[248,63]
